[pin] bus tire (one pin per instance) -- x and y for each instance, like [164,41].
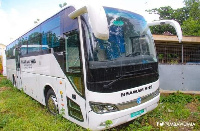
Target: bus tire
[51,102]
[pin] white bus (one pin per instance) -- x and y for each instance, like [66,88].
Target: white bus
[91,64]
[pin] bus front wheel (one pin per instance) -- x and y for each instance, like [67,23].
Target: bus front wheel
[51,102]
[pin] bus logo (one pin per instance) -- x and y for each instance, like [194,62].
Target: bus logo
[139,100]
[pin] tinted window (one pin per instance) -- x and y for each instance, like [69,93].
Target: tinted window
[34,39]
[42,38]
[51,32]
[10,48]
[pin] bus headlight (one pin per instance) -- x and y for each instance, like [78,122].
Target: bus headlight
[101,108]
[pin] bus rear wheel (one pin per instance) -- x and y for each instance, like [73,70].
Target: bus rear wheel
[51,102]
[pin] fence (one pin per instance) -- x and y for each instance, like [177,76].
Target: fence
[179,63]
[176,53]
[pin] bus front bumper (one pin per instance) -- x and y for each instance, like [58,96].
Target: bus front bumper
[100,121]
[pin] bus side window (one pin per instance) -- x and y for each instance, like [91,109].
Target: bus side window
[73,61]
[72,45]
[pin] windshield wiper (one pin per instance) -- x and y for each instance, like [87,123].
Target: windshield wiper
[133,54]
[133,73]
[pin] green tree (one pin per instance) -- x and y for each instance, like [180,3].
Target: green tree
[189,3]
[191,26]
[62,5]
[168,13]
[188,18]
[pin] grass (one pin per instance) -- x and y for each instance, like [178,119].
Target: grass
[18,111]
[173,109]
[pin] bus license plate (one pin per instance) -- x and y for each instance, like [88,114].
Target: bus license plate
[134,114]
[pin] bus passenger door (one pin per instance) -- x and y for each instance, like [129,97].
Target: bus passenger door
[74,74]
[18,69]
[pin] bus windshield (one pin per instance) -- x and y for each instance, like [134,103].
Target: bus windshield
[130,42]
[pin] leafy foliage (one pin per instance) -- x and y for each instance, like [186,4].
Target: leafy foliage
[188,17]
[177,98]
[161,29]
[169,13]
[191,27]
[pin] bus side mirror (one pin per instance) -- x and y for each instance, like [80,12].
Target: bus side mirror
[97,17]
[173,23]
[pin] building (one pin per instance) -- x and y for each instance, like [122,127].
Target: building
[179,63]
[170,51]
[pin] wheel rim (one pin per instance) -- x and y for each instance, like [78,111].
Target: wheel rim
[53,104]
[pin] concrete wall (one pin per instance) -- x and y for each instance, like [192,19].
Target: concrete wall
[180,77]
